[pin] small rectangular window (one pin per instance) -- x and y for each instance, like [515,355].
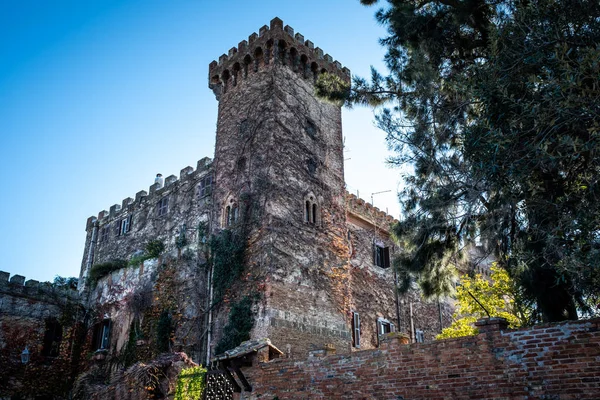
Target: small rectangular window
[381,255]
[163,206]
[104,234]
[126,225]
[355,330]
[205,186]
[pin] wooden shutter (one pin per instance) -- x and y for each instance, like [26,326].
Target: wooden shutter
[386,257]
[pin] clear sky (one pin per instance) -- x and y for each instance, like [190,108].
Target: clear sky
[96,97]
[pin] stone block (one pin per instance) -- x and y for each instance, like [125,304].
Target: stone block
[141,194]
[32,283]
[4,277]
[154,187]
[185,172]
[171,179]
[114,209]
[126,202]
[289,30]
[17,280]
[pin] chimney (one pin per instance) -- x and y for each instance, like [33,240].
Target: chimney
[159,179]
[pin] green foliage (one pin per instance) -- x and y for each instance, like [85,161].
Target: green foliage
[181,240]
[136,260]
[164,330]
[239,325]
[191,383]
[332,88]
[155,248]
[478,296]
[228,251]
[99,271]
[493,107]
[65,283]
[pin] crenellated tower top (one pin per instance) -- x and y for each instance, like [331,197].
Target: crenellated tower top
[271,46]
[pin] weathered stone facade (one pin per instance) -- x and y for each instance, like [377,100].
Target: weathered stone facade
[278,176]
[316,259]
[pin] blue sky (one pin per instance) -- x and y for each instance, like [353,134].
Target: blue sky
[96,97]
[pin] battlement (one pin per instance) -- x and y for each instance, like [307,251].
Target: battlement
[155,190]
[17,285]
[361,208]
[272,45]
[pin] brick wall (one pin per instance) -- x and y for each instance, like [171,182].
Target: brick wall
[559,361]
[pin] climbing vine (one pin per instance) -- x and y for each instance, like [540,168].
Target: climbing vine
[239,325]
[228,251]
[191,383]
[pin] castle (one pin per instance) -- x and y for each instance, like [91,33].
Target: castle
[263,241]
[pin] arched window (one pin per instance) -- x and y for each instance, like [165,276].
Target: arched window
[231,213]
[311,209]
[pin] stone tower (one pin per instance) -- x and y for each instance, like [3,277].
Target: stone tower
[279,167]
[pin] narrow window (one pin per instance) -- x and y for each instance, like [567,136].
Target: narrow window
[104,234]
[307,212]
[117,228]
[314,213]
[205,187]
[163,206]
[311,129]
[227,216]
[355,330]
[101,336]
[126,225]
[235,214]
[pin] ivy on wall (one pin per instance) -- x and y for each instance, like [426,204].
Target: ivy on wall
[239,325]
[191,383]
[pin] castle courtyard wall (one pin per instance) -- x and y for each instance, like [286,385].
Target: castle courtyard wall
[554,361]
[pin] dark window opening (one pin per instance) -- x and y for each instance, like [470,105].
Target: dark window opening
[311,165]
[104,234]
[52,338]
[355,330]
[311,129]
[205,186]
[101,335]
[311,211]
[232,215]
[307,212]
[163,206]
[381,256]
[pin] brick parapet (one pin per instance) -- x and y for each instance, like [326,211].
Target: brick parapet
[274,44]
[549,361]
[364,210]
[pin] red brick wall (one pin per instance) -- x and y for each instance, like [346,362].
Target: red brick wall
[559,361]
